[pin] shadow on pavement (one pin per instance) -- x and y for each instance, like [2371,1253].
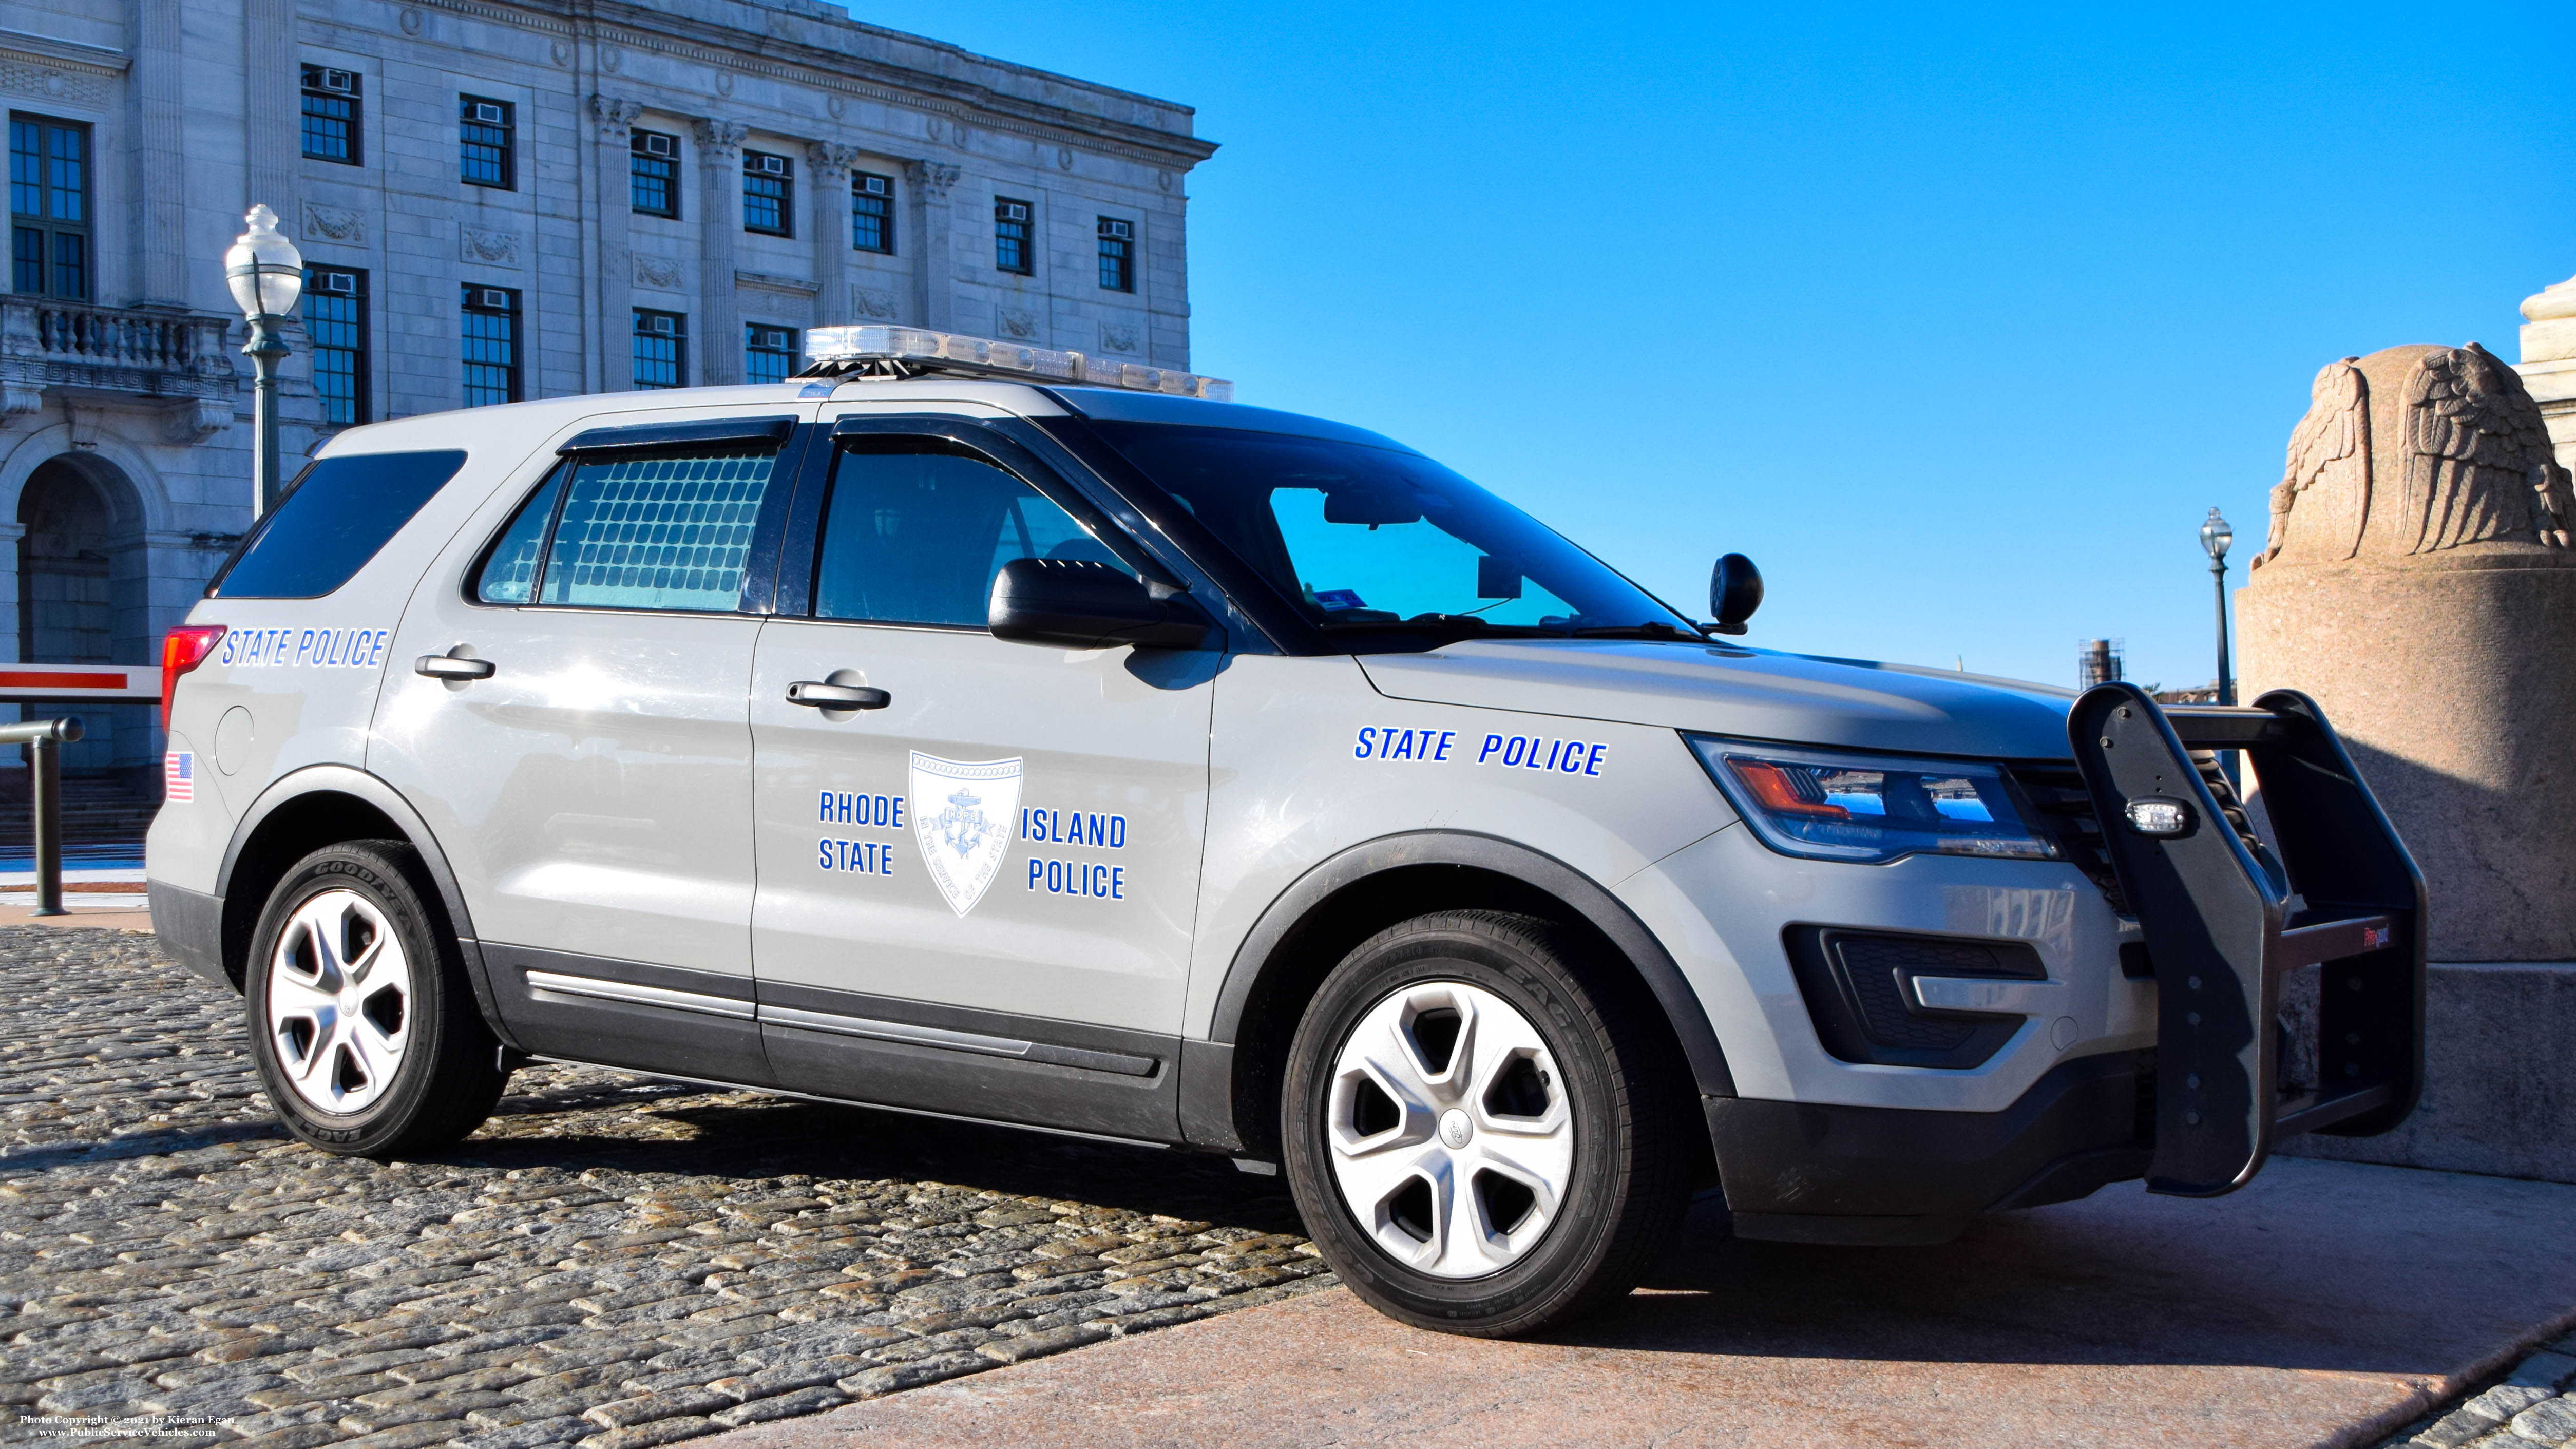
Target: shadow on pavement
[745,1139]
[2362,1270]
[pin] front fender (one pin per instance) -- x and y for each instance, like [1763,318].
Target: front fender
[1209,1089]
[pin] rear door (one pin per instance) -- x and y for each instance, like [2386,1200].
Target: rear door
[978,897]
[592,787]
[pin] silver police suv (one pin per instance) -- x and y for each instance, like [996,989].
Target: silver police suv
[995,733]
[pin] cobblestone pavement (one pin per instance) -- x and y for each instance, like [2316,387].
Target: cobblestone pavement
[2526,1409]
[610,1261]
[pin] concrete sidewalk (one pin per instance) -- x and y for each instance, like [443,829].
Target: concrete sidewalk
[2327,1304]
[124,916]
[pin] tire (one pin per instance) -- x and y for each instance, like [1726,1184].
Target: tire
[1480,1142]
[365,1031]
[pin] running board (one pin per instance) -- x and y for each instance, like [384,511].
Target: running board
[2216,915]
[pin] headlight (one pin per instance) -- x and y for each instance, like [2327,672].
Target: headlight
[1832,806]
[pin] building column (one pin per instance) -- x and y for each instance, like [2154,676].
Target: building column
[13,626]
[718,342]
[270,85]
[934,281]
[614,278]
[2548,365]
[829,188]
[158,276]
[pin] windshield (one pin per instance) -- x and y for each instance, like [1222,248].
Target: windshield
[1369,538]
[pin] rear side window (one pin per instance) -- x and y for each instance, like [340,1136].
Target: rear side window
[510,571]
[633,531]
[338,515]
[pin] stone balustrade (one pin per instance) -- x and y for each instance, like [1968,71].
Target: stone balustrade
[108,355]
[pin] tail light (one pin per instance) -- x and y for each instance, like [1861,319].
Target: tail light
[183,649]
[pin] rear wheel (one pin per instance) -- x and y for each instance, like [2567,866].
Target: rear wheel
[1479,1142]
[364,1029]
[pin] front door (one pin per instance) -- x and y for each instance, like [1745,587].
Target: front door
[976,896]
[592,786]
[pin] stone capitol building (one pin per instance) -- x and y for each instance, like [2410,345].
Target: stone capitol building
[496,200]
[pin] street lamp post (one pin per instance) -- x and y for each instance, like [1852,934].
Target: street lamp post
[2215,536]
[266,274]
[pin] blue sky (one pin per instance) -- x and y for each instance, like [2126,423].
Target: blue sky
[1957,324]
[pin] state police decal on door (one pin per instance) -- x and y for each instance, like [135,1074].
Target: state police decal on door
[962,813]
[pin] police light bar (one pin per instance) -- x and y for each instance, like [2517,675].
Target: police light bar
[878,351]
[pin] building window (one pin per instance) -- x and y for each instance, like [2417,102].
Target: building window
[768,194]
[871,213]
[49,208]
[335,318]
[768,353]
[1011,236]
[491,346]
[661,350]
[653,176]
[331,115]
[486,130]
[1117,254]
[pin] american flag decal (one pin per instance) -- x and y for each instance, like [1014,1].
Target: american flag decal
[178,777]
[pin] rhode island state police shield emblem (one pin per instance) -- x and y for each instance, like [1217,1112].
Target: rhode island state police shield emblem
[964,814]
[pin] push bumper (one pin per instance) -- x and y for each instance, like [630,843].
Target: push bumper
[2216,912]
[2198,1114]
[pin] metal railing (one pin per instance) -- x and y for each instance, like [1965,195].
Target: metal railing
[44,740]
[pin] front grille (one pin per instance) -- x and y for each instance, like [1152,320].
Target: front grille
[2065,809]
[2234,808]
[2056,793]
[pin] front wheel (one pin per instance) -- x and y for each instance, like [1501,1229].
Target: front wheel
[365,1032]
[1479,1142]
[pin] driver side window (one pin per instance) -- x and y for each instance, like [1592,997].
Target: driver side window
[916,537]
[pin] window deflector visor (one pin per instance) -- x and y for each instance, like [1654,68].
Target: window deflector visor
[860,431]
[678,435]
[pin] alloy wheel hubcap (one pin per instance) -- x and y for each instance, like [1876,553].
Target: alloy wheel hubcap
[339,1002]
[1448,1129]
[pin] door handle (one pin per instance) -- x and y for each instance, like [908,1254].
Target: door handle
[448,666]
[815,694]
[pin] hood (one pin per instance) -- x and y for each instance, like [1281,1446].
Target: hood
[1752,693]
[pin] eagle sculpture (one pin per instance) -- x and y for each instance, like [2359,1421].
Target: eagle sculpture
[2459,455]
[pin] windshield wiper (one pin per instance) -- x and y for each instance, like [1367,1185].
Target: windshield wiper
[1430,623]
[1651,629]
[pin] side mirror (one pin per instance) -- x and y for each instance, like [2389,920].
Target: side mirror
[1734,592]
[1080,604]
